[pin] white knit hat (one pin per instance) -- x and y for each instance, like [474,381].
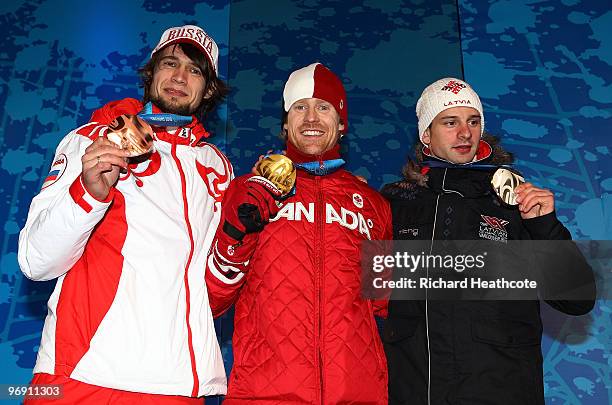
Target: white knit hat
[444,94]
[191,34]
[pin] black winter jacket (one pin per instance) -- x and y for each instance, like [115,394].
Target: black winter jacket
[465,352]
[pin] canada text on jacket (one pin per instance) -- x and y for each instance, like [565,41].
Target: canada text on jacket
[297,211]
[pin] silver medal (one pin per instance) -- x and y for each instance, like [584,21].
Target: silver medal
[504,182]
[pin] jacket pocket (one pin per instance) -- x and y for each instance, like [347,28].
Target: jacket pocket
[380,352]
[506,332]
[507,352]
[406,352]
[398,329]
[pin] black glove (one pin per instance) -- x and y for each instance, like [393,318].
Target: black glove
[248,205]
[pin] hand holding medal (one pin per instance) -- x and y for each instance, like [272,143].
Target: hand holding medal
[279,170]
[512,190]
[133,133]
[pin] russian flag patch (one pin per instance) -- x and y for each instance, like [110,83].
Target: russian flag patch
[57,170]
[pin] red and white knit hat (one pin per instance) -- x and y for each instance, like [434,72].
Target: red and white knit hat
[444,94]
[191,34]
[316,81]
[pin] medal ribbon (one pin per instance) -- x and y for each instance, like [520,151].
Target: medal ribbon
[321,168]
[163,119]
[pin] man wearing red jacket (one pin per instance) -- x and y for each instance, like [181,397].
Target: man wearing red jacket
[303,333]
[127,241]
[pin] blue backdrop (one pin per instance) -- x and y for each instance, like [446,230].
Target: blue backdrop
[542,68]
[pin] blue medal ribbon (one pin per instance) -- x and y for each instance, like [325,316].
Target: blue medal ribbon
[321,168]
[163,119]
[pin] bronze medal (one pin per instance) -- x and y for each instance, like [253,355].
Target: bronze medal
[131,133]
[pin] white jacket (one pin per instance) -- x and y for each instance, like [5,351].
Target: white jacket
[130,309]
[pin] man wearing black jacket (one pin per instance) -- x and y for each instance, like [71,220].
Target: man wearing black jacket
[466,352]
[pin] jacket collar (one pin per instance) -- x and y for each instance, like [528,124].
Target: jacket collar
[463,180]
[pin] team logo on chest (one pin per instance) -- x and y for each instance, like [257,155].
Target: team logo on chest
[493,228]
[358,200]
[409,232]
[216,181]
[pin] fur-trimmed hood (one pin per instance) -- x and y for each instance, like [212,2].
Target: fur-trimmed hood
[412,169]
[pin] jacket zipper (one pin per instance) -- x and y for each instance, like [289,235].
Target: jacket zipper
[433,235]
[319,286]
[196,383]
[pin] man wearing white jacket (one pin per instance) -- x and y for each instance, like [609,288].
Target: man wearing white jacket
[127,237]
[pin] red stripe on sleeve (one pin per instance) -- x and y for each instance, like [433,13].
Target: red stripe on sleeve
[77,192]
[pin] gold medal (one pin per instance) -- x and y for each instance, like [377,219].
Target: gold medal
[504,182]
[131,133]
[279,170]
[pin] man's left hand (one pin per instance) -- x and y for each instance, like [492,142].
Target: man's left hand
[534,201]
[249,204]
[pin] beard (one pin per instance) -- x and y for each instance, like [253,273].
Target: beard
[172,108]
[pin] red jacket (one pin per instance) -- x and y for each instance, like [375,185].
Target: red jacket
[303,333]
